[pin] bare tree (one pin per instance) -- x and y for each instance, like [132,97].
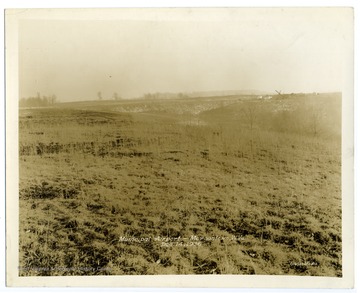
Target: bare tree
[116,96]
[315,114]
[53,99]
[250,114]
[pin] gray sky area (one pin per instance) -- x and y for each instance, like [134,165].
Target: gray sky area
[183,51]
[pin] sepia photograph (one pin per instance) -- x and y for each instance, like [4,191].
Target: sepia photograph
[180,142]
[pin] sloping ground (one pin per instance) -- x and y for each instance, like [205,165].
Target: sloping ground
[172,106]
[301,114]
[104,193]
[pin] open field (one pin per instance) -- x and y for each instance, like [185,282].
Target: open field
[223,185]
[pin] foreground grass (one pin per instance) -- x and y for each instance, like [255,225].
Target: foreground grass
[119,193]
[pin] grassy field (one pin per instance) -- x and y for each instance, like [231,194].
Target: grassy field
[225,185]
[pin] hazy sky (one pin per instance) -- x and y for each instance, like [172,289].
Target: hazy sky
[186,50]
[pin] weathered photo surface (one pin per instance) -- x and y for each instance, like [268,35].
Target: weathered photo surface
[181,142]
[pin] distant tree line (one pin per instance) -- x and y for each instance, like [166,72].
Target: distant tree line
[154,96]
[38,101]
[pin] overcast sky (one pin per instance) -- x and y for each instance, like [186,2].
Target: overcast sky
[183,51]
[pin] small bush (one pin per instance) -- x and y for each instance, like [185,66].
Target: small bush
[321,237]
[44,190]
[47,191]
